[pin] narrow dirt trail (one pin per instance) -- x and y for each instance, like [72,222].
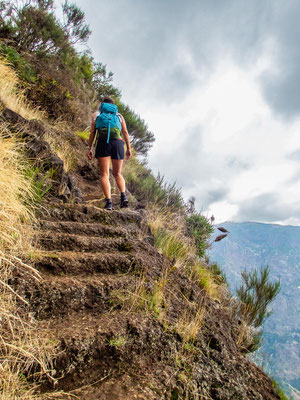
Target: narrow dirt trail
[88,256]
[90,261]
[96,301]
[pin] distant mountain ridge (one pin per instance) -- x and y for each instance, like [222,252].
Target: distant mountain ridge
[252,245]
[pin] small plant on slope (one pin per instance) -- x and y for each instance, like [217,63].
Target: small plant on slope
[255,295]
[118,341]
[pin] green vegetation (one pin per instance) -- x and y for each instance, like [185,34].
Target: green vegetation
[142,139]
[83,134]
[255,295]
[40,183]
[118,341]
[14,58]
[56,77]
[200,229]
[172,245]
[218,272]
[280,391]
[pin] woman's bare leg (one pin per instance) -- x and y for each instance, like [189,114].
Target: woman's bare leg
[117,169]
[103,163]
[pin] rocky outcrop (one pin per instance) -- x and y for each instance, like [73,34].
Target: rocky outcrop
[38,150]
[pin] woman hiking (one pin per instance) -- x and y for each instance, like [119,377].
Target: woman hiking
[110,146]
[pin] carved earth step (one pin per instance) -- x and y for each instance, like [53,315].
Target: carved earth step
[91,346]
[86,228]
[58,296]
[76,263]
[84,213]
[64,241]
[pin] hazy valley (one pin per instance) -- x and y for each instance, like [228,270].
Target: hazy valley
[251,245]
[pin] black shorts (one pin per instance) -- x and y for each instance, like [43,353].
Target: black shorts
[114,149]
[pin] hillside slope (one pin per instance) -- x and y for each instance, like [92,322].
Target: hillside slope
[119,312]
[88,260]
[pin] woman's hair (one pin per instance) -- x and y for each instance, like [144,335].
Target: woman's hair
[108,100]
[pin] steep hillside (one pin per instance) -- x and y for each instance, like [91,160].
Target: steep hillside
[99,305]
[250,245]
[126,322]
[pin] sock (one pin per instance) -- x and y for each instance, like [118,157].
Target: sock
[108,200]
[123,195]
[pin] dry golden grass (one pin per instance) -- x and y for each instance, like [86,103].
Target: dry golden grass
[22,349]
[142,299]
[169,233]
[206,280]
[168,230]
[14,188]
[189,325]
[245,336]
[12,96]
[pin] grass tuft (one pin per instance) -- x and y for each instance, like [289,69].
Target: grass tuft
[189,325]
[83,134]
[118,341]
[171,238]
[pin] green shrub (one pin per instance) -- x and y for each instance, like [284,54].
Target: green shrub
[255,294]
[79,65]
[23,68]
[141,137]
[200,229]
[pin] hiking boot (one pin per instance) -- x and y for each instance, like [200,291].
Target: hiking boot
[108,205]
[124,200]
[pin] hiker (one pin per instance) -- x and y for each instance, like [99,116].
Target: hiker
[110,146]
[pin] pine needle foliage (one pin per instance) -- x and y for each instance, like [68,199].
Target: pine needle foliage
[255,294]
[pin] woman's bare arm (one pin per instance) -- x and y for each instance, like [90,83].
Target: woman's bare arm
[126,137]
[93,130]
[92,135]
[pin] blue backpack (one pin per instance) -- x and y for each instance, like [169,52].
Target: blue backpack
[108,122]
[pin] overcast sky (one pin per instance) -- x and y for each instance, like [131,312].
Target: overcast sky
[218,82]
